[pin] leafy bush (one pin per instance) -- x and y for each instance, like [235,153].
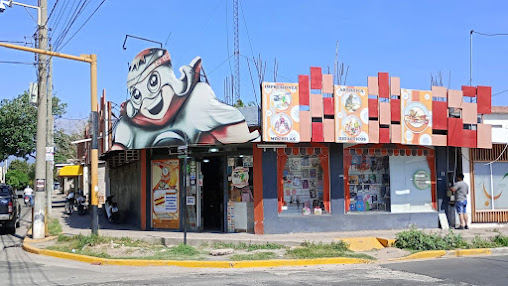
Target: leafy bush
[414,239]
[501,240]
[479,242]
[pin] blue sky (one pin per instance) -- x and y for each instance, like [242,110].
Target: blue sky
[408,39]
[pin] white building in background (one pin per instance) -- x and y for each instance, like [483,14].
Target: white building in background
[499,121]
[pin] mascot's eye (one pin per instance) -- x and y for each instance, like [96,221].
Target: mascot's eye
[136,94]
[154,82]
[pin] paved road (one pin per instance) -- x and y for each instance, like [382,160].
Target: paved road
[20,268]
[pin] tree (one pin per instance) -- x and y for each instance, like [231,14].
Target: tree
[20,174]
[18,125]
[64,149]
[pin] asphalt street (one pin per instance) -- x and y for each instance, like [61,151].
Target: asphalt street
[20,268]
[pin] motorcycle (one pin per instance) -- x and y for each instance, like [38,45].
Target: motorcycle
[27,201]
[111,209]
[81,203]
[69,203]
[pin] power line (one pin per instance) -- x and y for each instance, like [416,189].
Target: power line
[503,91]
[18,63]
[79,29]
[51,13]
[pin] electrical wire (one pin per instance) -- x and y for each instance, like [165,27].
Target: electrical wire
[51,13]
[18,63]
[79,29]
[503,91]
[77,12]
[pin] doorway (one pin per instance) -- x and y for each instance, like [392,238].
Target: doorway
[213,194]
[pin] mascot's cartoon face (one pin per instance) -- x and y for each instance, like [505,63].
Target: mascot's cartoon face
[155,92]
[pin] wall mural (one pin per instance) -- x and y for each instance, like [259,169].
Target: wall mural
[164,110]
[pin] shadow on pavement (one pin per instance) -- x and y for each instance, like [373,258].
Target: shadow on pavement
[77,221]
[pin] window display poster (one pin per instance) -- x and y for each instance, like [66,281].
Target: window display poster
[165,193]
[351,114]
[240,177]
[281,112]
[416,117]
[490,186]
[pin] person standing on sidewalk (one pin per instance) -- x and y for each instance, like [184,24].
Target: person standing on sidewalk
[461,189]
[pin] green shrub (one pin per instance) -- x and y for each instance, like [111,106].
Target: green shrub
[479,242]
[414,239]
[501,240]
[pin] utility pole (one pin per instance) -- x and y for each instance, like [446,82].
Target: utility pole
[39,217]
[92,60]
[49,139]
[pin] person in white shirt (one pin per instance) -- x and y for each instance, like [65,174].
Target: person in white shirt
[30,193]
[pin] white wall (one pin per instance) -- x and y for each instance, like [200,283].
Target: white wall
[499,133]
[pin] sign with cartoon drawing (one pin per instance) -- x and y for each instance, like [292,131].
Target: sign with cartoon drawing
[165,110]
[165,193]
[281,112]
[351,114]
[416,109]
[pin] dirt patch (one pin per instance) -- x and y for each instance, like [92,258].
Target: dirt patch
[387,253]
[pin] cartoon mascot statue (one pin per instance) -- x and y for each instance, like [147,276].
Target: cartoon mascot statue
[165,110]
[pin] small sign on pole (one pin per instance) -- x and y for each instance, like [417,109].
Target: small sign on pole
[40,185]
[50,154]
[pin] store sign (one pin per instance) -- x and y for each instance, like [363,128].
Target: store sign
[416,117]
[240,177]
[421,179]
[281,112]
[351,114]
[165,193]
[165,110]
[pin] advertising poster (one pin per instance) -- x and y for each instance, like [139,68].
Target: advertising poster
[165,193]
[281,112]
[351,114]
[416,117]
[491,185]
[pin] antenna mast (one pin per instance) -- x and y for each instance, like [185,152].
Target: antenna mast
[236,80]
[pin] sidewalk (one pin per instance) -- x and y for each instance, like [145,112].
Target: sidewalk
[75,224]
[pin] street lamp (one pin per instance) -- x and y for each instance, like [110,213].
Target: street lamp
[9,3]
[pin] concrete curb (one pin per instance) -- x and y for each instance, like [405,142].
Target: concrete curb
[194,264]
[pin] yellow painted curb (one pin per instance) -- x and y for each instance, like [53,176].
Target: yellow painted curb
[424,254]
[478,251]
[386,242]
[186,263]
[30,240]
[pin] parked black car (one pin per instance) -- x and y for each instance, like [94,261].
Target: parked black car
[10,209]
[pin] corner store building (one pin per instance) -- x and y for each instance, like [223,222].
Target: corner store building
[331,158]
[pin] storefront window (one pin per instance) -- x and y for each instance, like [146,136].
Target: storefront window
[304,179]
[394,179]
[489,182]
[369,183]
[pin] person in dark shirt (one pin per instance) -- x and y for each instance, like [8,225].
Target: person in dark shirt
[461,189]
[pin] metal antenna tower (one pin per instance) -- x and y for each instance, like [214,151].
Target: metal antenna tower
[236,78]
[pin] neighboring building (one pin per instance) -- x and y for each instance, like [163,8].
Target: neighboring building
[487,171]
[316,157]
